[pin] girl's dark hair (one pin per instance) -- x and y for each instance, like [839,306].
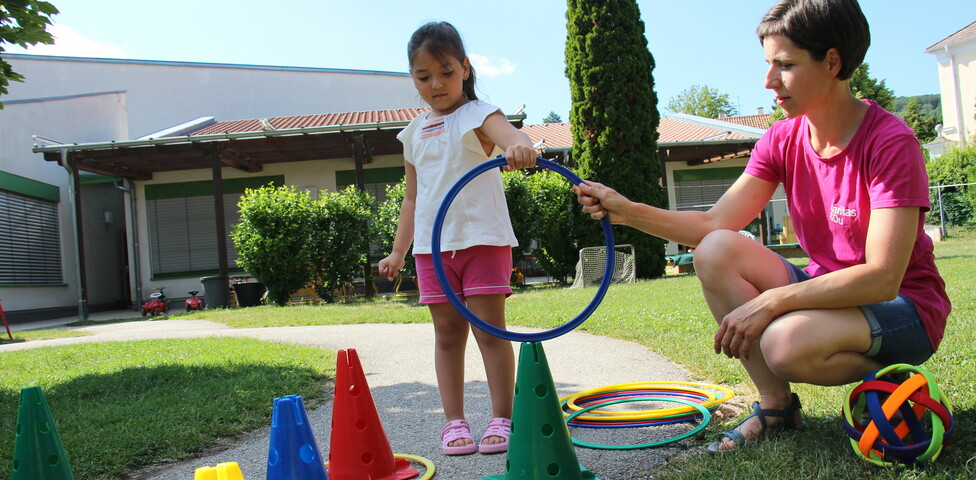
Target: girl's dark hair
[441,39]
[818,26]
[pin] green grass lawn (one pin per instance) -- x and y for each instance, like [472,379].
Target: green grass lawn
[667,315]
[119,406]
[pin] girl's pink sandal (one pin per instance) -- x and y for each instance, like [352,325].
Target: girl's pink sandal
[457,430]
[497,427]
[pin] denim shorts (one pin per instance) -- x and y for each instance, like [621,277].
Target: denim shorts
[897,334]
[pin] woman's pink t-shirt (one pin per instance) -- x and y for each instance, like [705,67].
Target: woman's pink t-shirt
[830,199]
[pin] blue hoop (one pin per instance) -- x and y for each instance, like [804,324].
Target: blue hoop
[435,246]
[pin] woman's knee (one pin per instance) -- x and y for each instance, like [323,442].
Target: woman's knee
[716,247]
[716,252]
[783,356]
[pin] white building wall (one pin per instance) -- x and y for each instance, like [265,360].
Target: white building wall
[75,119]
[957,84]
[163,94]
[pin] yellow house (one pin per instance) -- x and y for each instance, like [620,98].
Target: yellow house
[956,55]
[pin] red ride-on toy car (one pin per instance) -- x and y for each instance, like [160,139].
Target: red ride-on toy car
[157,304]
[194,302]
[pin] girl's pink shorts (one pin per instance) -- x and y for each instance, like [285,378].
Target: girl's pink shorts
[478,270]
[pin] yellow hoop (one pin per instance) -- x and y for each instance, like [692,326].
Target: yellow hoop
[570,400]
[428,465]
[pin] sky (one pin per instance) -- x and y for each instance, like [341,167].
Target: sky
[517,47]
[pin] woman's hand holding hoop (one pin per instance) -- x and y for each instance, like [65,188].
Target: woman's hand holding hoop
[601,201]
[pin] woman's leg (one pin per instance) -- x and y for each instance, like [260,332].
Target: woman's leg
[734,269]
[498,356]
[450,338]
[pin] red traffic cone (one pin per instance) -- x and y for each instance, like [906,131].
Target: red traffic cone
[358,447]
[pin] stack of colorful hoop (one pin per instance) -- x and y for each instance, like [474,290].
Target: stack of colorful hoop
[695,392]
[697,399]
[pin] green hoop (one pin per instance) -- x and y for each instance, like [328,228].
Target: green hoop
[706,417]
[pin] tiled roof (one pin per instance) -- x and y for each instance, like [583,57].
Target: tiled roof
[756,121]
[552,135]
[305,121]
[559,135]
[672,131]
[963,33]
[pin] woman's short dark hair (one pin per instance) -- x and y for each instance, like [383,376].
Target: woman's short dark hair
[818,26]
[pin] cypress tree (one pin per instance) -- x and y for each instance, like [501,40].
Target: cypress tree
[614,114]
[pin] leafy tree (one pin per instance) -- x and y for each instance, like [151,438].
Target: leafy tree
[553,117]
[272,238]
[702,101]
[614,115]
[923,125]
[955,167]
[865,87]
[24,23]
[339,239]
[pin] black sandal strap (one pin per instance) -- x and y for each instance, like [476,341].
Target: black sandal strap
[788,414]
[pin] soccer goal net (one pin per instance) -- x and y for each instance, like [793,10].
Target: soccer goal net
[593,260]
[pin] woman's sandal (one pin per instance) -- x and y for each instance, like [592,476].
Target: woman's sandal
[739,440]
[497,427]
[457,430]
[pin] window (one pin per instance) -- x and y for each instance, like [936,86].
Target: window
[30,241]
[182,224]
[375,180]
[700,189]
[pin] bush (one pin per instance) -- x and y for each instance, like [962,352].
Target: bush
[272,238]
[286,240]
[340,239]
[554,215]
[518,196]
[386,221]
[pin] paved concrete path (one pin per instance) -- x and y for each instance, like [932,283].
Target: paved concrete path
[398,363]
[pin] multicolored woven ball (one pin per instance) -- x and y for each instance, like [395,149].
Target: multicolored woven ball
[910,420]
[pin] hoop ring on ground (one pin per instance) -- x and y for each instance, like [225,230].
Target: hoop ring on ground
[435,246]
[428,465]
[706,417]
[644,415]
[611,422]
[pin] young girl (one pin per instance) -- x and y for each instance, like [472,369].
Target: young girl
[457,134]
[857,192]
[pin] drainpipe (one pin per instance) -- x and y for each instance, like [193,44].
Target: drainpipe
[128,186]
[79,263]
[960,126]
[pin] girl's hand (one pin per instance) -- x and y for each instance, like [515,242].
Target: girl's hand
[390,266]
[600,201]
[520,156]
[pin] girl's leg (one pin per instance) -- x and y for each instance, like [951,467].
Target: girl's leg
[498,356]
[450,338]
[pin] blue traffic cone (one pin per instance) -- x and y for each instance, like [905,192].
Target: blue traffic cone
[293,453]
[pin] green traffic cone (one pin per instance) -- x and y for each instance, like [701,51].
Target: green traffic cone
[540,446]
[38,452]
